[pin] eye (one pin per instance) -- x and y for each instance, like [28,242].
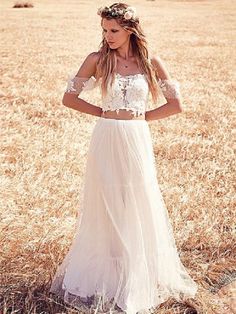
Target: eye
[113,30]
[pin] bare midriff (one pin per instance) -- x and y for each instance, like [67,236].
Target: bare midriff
[123,114]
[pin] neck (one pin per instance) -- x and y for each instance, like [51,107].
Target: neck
[125,51]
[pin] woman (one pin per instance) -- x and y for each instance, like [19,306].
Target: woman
[123,256]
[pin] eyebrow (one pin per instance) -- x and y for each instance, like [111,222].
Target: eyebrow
[113,29]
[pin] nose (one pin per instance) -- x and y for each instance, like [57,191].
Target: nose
[108,38]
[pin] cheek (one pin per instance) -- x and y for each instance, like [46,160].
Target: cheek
[124,36]
[121,37]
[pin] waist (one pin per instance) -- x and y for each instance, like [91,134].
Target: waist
[123,114]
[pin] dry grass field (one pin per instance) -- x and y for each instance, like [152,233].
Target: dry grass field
[44,144]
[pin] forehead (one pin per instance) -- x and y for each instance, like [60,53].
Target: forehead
[110,23]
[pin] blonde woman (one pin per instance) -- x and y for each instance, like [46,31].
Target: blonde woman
[123,257]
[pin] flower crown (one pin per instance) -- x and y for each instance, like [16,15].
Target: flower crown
[127,14]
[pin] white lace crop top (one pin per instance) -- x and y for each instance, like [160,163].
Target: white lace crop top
[129,92]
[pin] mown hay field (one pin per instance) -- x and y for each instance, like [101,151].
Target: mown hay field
[44,144]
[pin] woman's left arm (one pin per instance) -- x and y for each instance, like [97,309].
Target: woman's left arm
[170,90]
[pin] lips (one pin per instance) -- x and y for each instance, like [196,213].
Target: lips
[109,42]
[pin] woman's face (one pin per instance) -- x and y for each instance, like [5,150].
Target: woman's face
[114,34]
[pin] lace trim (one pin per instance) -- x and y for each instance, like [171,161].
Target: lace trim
[169,88]
[75,85]
[134,111]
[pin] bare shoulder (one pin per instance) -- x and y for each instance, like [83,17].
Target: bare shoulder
[94,56]
[88,66]
[160,67]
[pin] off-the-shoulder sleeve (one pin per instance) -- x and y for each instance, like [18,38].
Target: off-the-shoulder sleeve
[75,84]
[170,88]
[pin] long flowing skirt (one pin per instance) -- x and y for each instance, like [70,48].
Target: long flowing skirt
[123,256]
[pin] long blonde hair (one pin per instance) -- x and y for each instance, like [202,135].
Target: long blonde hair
[107,61]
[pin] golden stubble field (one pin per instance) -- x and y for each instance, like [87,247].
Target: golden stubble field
[44,144]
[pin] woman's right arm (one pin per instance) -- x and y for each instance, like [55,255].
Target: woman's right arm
[71,99]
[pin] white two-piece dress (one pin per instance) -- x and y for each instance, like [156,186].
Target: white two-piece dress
[123,257]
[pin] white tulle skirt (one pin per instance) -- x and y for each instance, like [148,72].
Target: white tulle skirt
[123,256]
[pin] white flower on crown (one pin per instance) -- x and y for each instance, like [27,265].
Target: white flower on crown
[130,13]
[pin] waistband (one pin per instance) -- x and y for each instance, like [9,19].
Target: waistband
[123,120]
[127,114]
